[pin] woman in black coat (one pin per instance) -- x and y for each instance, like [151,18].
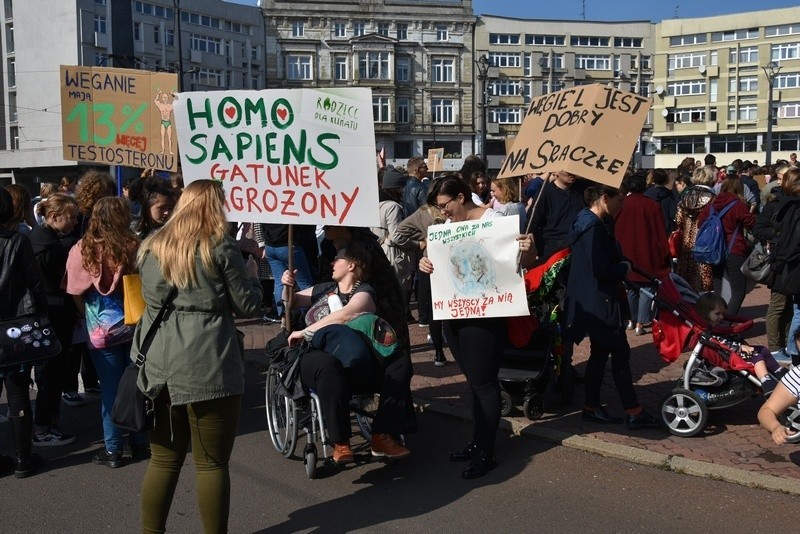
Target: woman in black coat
[593,304]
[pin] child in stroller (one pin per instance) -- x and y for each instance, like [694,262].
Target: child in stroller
[712,308]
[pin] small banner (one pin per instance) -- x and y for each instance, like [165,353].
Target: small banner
[119,117]
[435,157]
[288,156]
[475,269]
[590,131]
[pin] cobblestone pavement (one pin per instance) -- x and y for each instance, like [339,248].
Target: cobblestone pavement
[732,438]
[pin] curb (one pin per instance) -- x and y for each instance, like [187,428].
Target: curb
[676,464]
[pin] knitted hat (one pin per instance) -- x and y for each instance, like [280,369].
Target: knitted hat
[394,178]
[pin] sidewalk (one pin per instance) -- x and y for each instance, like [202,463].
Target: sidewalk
[733,446]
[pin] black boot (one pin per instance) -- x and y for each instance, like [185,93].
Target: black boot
[482,463]
[27,463]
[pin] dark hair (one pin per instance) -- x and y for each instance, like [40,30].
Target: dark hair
[6,206]
[21,201]
[357,253]
[596,192]
[635,183]
[451,185]
[710,159]
[472,164]
[733,185]
[152,188]
[708,302]
[660,176]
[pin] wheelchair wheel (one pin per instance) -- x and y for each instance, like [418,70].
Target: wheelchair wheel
[684,413]
[365,406]
[506,403]
[310,459]
[533,408]
[281,417]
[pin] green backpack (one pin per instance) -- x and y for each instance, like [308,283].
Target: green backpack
[379,333]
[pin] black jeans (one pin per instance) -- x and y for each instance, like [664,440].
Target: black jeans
[17,393]
[620,371]
[477,345]
[52,376]
[425,308]
[738,282]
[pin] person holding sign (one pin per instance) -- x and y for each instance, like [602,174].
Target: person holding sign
[476,344]
[594,308]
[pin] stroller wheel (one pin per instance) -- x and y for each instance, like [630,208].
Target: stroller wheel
[506,403]
[684,413]
[533,408]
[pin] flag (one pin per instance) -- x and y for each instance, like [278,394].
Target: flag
[381,158]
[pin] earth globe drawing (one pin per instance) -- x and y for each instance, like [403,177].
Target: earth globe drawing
[471,270]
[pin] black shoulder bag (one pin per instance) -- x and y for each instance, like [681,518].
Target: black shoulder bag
[133,410]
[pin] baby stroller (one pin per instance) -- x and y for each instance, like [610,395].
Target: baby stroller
[533,352]
[714,377]
[290,407]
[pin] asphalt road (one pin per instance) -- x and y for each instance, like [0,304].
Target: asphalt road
[538,487]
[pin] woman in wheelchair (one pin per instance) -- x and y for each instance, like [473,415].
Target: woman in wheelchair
[340,363]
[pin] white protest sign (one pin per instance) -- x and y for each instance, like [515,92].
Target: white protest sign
[304,156]
[590,131]
[475,269]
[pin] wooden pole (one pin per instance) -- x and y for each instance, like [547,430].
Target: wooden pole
[287,314]
[533,211]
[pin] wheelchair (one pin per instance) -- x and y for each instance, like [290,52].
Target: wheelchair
[286,417]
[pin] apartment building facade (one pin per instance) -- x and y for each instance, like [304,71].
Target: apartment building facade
[712,86]
[415,55]
[222,46]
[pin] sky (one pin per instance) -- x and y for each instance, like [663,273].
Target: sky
[653,11]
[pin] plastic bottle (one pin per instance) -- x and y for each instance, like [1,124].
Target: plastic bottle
[334,303]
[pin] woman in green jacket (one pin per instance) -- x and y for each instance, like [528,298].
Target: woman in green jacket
[195,366]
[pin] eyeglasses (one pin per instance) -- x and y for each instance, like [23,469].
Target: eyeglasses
[444,206]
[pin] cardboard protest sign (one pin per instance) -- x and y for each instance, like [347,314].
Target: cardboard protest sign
[590,131]
[435,157]
[119,117]
[475,269]
[284,155]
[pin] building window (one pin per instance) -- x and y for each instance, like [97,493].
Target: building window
[547,88]
[683,145]
[743,113]
[12,107]
[205,76]
[744,55]
[11,72]
[211,45]
[443,70]
[592,62]
[686,61]
[402,32]
[298,28]
[298,67]
[504,38]
[339,29]
[734,35]
[686,40]
[697,87]
[551,40]
[786,29]
[403,67]
[169,36]
[156,34]
[733,143]
[373,65]
[785,51]
[746,84]
[505,115]
[358,29]
[499,59]
[403,149]
[787,81]
[137,31]
[14,131]
[442,111]
[588,40]
[383,29]
[628,42]
[403,111]
[505,87]
[441,33]
[789,110]
[340,70]
[558,61]
[787,141]
[99,24]
[688,115]
[380,109]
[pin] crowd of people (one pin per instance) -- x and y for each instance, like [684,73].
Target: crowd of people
[67,251]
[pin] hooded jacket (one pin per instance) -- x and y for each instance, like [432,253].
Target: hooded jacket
[735,220]
[592,299]
[668,201]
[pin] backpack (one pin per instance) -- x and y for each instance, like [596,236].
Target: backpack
[709,246]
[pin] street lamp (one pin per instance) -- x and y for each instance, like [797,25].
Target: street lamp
[483,70]
[771,72]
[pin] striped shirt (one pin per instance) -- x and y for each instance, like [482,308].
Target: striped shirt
[792,381]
